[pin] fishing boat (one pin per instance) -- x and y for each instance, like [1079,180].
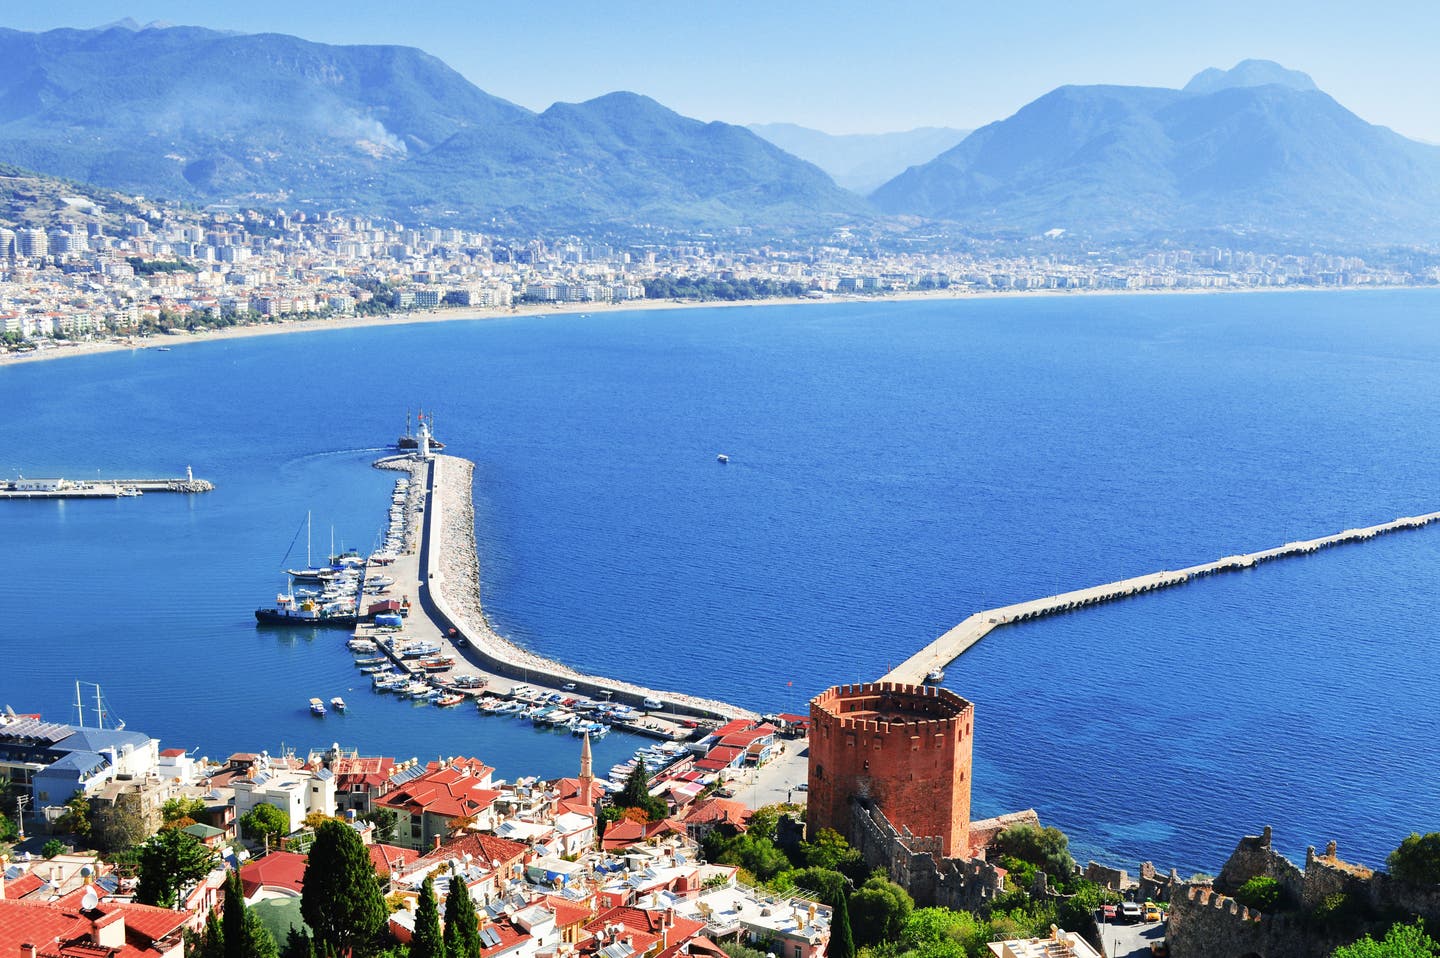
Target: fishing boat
[338,704]
[722,458]
[937,674]
[317,707]
[307,612]
[449,699]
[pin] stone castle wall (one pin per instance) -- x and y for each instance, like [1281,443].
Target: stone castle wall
[915,864]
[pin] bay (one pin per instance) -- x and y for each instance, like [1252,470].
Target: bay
[893,468]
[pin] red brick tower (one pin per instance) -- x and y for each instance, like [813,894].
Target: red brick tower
[905,747]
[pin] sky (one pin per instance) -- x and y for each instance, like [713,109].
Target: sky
[850,67]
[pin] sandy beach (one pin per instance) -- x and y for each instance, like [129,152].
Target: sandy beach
[457,313]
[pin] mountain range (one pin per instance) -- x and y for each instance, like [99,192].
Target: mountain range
[198,115]
[1257,150]
[861,161]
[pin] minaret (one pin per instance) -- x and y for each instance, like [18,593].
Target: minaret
[587,776]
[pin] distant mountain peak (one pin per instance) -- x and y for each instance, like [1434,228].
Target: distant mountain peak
[1248,73]
[127,23]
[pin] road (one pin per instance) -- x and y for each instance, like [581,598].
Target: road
[778,780]
[1130,941]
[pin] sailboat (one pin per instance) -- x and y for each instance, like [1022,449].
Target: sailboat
[410,441]
[311,572]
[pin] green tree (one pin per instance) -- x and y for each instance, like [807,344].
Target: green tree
[242,933]
[831,850]
[1046,848]
[927,928]
[8,831]
[119,825]
[842,941]
[636,794]
[297,944]
[462,926]
[265,823]
[427,941]
[1261,893]
[1401,941]
[824,883]
[384,820]
[1417,860]
[759,856]
[341,902]
[879,909]
[175,809]
[212,940]
[77,816]
[169,861]
[52,848]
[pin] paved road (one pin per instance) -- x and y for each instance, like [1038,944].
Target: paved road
[778,781]
[1130,941]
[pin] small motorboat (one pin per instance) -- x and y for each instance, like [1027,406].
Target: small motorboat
[722,458]
[317,707]
[338,704]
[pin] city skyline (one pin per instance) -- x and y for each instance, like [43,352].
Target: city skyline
[850,68]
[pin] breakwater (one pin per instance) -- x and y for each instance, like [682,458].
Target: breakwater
[954,643]
[448,588]
[60,488]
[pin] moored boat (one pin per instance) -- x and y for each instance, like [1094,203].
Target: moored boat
[317,707]
[338,704]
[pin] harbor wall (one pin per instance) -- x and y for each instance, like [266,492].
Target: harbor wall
[484,647]
[962,637]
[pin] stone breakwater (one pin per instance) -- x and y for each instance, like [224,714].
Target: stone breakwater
[450,593]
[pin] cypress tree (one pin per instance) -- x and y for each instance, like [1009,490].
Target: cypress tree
[232,919]
[427,941]
[212,942]
[462,927]
[842,942]
[342,902]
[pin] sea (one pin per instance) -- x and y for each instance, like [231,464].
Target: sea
[893,467]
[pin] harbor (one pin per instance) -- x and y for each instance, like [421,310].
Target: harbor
[60,488]
[929,663]
[418,630]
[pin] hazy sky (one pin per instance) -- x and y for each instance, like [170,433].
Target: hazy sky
[849,67]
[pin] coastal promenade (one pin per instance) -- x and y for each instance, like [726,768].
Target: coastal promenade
[958,640]
[444,574]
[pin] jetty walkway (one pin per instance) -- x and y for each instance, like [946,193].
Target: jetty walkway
[444,575]
[58,488]
[958,640]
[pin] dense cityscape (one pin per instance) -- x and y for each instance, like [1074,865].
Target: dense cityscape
[164,271]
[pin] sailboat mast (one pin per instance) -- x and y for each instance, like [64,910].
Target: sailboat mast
[79,705]
[308,563]
[99,709]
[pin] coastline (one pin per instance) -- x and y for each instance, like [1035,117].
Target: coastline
[464,313]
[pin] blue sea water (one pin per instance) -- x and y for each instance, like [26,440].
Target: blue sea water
[893,468]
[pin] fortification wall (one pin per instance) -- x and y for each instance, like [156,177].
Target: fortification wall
[912,863]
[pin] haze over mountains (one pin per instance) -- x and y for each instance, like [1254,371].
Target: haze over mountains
[1256,150]
[202,116]
[861,161]
[199,115]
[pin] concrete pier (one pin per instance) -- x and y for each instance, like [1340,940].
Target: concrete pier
[954,643]
[442,576]
[58,488]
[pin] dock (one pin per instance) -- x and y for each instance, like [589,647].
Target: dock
[60,488]
[950,646]
[440,574]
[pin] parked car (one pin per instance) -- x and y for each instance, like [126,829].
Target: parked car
[1107,912]
[1152,912]
[1130,911]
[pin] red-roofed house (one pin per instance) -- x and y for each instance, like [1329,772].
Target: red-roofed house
[705,816]
[359,781]
[646,931]
[426,806]
[625,833]
[388,859]
[109,930]
[282,872]
[570,917]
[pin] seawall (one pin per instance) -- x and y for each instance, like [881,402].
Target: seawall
[449,595]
